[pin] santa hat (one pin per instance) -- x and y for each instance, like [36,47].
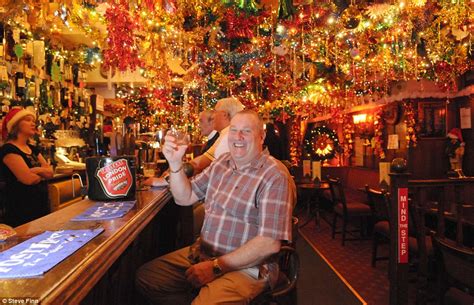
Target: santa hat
[455,133]
[14,116]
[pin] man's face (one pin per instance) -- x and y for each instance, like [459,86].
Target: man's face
[245,138]
[206,123]
[221,119]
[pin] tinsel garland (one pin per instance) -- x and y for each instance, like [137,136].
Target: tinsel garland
[239,25]
[295,141]
[379,127]
[348,133]
[122,51]
[410,122]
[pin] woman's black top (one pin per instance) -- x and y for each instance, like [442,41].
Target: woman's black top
[23,203]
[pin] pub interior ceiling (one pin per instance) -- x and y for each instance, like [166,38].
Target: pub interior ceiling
[302,58]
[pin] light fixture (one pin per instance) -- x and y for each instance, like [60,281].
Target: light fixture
[359,118]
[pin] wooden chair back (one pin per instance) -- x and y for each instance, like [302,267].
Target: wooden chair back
[456,262]
[379,203]
[337,191]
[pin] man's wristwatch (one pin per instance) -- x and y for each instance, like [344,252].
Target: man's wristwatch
[216,269]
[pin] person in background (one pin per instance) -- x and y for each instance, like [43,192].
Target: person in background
[249,199]
[224,111]
[206,124]
[24,168]
[273,142]
[107,130]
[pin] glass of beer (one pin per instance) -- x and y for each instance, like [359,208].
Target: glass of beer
[149,169]
[182,138]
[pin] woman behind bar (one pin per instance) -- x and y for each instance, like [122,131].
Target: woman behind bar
[24,168]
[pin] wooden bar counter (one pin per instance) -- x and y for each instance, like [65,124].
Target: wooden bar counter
[103,270]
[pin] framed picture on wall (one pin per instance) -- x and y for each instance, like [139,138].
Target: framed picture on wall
[432,119]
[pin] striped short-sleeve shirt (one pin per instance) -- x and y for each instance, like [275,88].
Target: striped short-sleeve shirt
[240,204]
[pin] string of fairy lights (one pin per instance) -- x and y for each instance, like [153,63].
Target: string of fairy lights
[308,60]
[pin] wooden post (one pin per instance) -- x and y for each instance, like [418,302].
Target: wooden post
[398,264]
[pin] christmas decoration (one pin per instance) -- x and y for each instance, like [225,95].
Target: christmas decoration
[321,143]
[348,134]
[379,128]
[122,50]
[295,141]
[410,121]
[351,17]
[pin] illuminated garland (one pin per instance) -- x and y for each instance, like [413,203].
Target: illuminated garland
[122,51]
[379,127]
[295,140]
[321,143]
[411,123]
[348,132]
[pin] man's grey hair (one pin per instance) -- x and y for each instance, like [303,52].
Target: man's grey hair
[231,105]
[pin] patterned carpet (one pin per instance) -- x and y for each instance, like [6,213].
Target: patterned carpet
[353,262]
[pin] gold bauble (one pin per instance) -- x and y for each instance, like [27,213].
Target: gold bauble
[351,17]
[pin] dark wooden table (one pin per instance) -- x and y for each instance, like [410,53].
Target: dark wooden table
[71,281]
[312,191]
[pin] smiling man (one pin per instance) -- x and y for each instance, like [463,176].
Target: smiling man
[249,198]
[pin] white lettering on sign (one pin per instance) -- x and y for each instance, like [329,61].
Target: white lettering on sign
[37,251]
[402,225]
[115,178]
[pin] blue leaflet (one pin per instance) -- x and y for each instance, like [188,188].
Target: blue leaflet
[106,210]
[39,254]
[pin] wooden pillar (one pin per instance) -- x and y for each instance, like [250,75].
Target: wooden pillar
[398,266]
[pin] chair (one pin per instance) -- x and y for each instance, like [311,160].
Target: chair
[456,267]
[284,290]
[288,262]
[345,210]
[379,202]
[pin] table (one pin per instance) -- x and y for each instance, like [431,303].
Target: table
[314,191]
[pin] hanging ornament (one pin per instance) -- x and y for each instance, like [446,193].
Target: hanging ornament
[286,9]
[351,17]
[55,72]
[249,6]
[18,49]
[122,51]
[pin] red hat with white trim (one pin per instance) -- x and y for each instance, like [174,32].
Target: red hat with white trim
[14,116]
[455,133]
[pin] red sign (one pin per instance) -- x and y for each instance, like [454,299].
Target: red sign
[403,225]
[115,178]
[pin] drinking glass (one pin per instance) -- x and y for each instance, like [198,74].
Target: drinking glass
[180,135]
[149,169]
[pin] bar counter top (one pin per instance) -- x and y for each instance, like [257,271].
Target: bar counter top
[71,280]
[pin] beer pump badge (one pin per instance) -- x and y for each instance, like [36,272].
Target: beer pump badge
[115,178]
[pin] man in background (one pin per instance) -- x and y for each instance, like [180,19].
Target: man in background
[206,124]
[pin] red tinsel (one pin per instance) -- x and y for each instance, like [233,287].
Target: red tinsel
[122,51]
[239,26]
[150,5]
